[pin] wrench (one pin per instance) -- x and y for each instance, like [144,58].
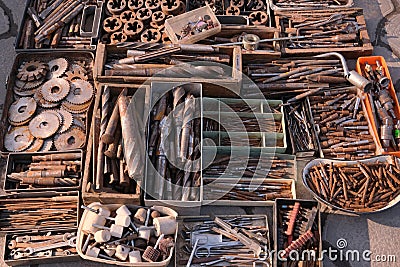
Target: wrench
[49,253]
[209,247]
[28,238]
[56,238]
[71,243]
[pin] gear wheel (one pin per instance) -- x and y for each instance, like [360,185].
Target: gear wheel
[76,75]
[81,92]
[55,90]
[78,121]
[76,109]
[23,93]
[25,86]
[21,111]
[36,145]
[18,139]
[72,139]
[44,125]
[68,120]
[42,102]
[47,145]
[78,67]
[32,71]
[57,67]
[60,117]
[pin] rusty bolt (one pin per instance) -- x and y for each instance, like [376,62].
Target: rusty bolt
[170,7]
[133,28]
[135,4]
[232,10]
[258,18]
[144,14]
[116,6]
[118,37]
[158,17]
[237,3]
[151,36]
[152,4]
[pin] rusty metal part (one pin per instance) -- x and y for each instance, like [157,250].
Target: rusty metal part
[36,145]
[47,145]
[72,139]
[81,92]
[44,125]
[165,38]
[133,28]
[112,24]
[76,109]
[18,139]
[57,67]
[135,4]
[60,117]
[67,118]
[78,121]
[152,4]
[151,36]
[256,5]
[127,16]
[116,6]
[76,75]
[22,93]
[237,3]
[158,17]
[144,14]
[25,86]
[32,71]
[170,7]
[80,67]
[118,37]
[259,18]
[22,110]
[42,102]
[55,90]
[233,11]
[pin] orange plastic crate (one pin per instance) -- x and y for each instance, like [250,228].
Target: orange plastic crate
[360,69]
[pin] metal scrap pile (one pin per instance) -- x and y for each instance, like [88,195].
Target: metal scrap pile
[50,104]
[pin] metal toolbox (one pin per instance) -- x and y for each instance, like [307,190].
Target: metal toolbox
[284,6]
[79,120]
[187,225]
[103,194]
[361,45]
[113,207]
[21,210]
[214,84]
[272,138]
[152,195]
[15,160]
[278,234]
[244,184]
[83,29]
[37,260]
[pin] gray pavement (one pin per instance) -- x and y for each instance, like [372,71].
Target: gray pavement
[378,233]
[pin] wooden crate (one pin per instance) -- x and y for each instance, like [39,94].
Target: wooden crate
[365,49]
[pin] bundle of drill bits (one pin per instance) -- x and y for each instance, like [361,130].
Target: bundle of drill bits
[27,213]
[143,60]
[339,29]
[292,76]
[226,241]
[343,125]
[260,166]
[297,231]
[384,105]
[309,3]
[119,162]
[362,186]
[51,101]
[48,170]
[59,24]
[143,21]
[300,128]
[174,146]
[255,190]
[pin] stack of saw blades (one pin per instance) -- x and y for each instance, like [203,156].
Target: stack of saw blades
[51,100]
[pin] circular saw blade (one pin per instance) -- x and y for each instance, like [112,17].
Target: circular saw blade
[81,92]
[68,120]
[42,102]
[26,86]
[32,70]
[44,125]
[47,145]
[57,67]
[55,90]
[22,110]
[72,139]
[76,75]
[36,145]
[18,139]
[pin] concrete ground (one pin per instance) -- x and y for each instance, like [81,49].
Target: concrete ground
[378,233]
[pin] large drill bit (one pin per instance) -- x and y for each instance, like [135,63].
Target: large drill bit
[179,106]
[133,149]
[188,115]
